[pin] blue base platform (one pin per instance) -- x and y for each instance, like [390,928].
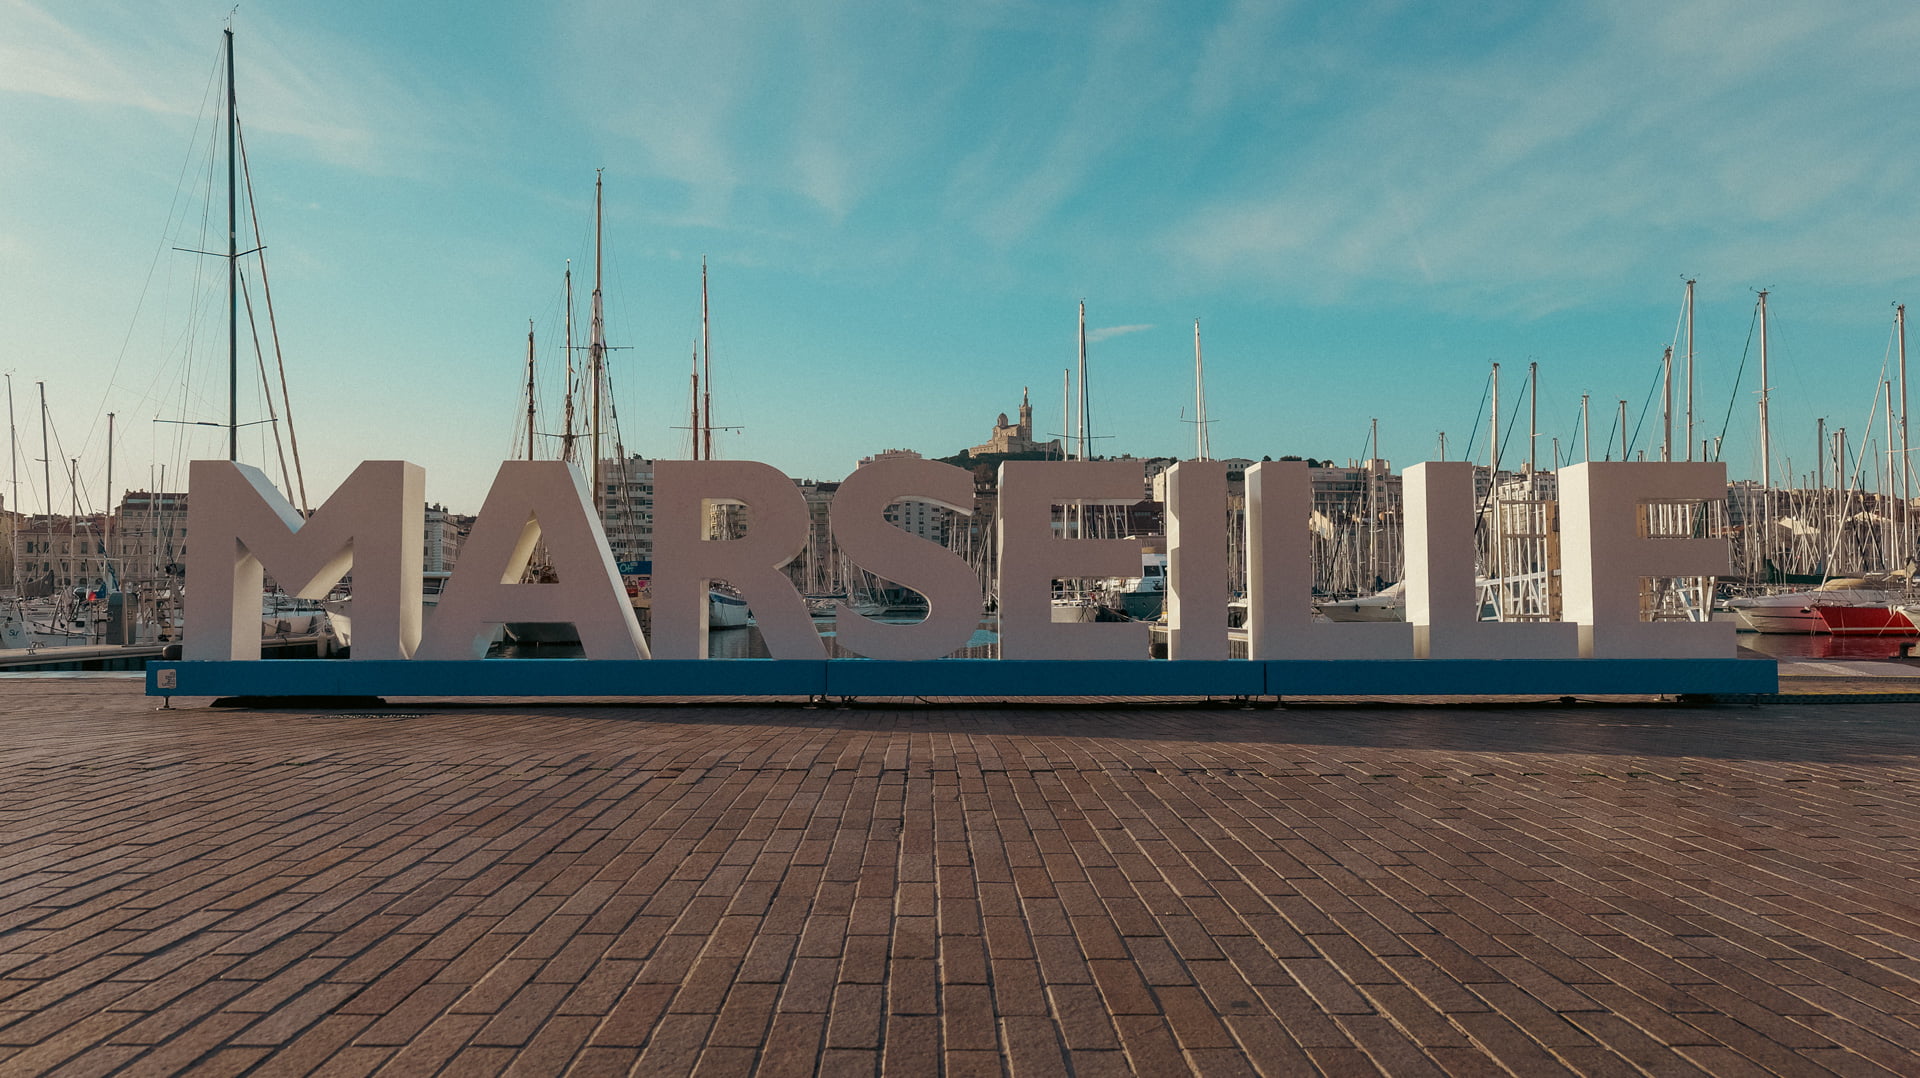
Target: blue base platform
[963,677]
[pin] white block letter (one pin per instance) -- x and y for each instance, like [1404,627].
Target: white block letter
[240,528]
[1607,553]
[532,502]
[863,533]
[685,561]
[1280,621]
[1443,602]
[1197,560]
[1031,558]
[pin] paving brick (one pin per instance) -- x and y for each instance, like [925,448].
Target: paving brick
[1349,890]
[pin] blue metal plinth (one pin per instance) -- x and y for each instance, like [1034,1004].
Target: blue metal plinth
[1501,677]
[497,677]
[963,677]
[1044,677]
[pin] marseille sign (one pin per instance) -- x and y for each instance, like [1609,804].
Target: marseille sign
[240,529]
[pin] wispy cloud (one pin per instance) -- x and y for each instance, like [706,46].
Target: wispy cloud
[1715,134]
[758,109]
[350,107]
[1107,333]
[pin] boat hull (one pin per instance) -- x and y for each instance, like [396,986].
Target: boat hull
[1781,619]
[1865,621]
[726,611]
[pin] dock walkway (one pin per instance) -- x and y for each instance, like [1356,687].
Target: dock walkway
[491,887]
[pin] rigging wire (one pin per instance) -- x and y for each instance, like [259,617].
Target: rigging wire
[1486,387]
[1640,419]
[1738,374]
[273,329]
[146,284]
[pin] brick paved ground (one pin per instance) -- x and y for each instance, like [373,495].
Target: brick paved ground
[776,890]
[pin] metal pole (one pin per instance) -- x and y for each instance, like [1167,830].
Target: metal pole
[597,342]
[1766,429]
[566,429]
[1533,410]
[530,416]
[233,275]
[1373,508]
[1886,386]
[1080,407]
[1666,405]
[1820,462]
[106,529]
[1766,440]
[1586,429]
[706,360]
[1690,371]
[13,451]
[1623,430]
[46,458]
[1066,414]
[1494,454]
[1202,450]
[1906,458]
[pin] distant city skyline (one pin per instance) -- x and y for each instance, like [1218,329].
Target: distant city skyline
[902,204]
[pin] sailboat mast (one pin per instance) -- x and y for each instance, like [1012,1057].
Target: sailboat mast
[46,458]
[1766,429]
[1203,446]
[1886,385]
[1906,461]
[1373,507]
[1689,368]
[1067,445]
[566,431]
[1494,454]
[706,357]
[233,273]
[1080,405]
[694,422]
[12,444]
[106,510]
[1586,429]
[1666,404]
[529,389]
[1819,456]
[597,342]
[1533,411]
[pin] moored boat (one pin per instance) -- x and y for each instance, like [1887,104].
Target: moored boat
[726,609]
[1795,611]
[1866,620]
[1388,604]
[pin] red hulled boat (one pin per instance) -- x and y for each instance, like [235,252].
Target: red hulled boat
[1866,621]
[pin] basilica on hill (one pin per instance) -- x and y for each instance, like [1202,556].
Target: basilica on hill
[1018,437]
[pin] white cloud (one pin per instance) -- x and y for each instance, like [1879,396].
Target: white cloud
[1660,134]
[1106,333]
[350,107]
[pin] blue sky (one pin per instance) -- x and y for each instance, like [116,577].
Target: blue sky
[1364,203]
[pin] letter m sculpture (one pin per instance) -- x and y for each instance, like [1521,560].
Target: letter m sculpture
[239,528]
